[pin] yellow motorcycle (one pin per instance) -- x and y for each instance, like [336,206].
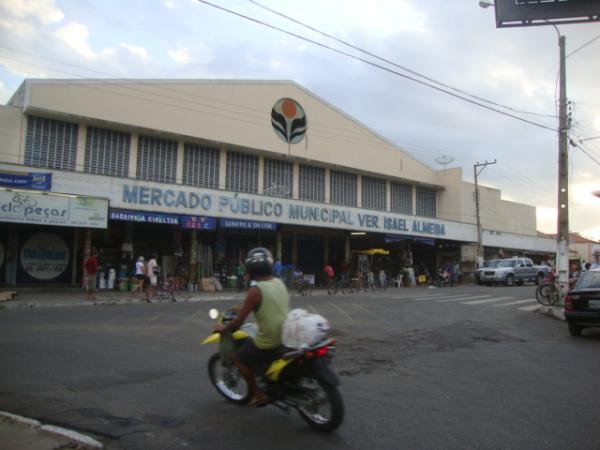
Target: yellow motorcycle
[298,379]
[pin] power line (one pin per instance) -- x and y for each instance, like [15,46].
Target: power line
[583,46]
[341,41]
[379,66]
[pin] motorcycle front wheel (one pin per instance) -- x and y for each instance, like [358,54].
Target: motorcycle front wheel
[320,403]
[228,381]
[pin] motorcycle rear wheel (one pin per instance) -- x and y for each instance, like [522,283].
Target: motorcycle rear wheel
[322,406]
[228,381]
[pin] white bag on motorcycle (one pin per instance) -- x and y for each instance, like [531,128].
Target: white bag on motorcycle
[303,330]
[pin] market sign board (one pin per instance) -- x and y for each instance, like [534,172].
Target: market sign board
[257,208]
[52,209]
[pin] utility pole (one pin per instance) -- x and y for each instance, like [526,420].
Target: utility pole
[479,241]
[562,231]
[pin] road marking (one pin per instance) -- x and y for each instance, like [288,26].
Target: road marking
[187,319]
[488,300]
[313,309]
[341,310]
[467,297]
[365,310]
[530,308]
[158,316]
[518,302]
[437,297]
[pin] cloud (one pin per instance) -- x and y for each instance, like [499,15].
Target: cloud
[4,94]
[180,55]
[138,51]
[42,11]
[171,4]
[75,36]
[546,219]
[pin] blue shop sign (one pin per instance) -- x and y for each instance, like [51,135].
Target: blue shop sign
[198,222]
[247,224]
[142,217]
[20,180]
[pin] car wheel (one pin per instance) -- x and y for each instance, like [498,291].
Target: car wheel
[509,280]
[575,330]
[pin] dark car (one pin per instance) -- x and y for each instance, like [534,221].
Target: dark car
[582,305]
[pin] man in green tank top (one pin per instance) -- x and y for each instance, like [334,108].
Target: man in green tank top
[270,301]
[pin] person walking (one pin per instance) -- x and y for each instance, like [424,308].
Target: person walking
[240,273]
[152,274]
[140,274]
[91,271]
[329,274]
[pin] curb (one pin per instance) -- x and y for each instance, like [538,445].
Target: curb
[74,436]
[556,312]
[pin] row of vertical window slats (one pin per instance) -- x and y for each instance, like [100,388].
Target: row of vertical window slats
[53,144]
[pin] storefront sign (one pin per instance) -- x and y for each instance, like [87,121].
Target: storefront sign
[52,209]
[45,256]
[198,222]
[142,217]
[247,224]
[282,210]
[24,180]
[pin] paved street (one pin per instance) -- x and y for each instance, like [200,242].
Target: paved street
[464,367]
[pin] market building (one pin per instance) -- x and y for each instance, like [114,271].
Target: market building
[200,171]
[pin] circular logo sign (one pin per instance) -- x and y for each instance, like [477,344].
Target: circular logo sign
[45,256]
[288,120]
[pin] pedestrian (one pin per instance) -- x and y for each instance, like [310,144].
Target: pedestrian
[277,269]
[240,273]
[329,274]
[382,279]
[140,274]
[91,271]
[152,272]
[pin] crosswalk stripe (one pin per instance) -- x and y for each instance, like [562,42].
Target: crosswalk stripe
[517,302]
[530,307]
[468,297]
[437,297]
[488,300]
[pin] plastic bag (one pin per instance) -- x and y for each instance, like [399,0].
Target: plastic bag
[303,330]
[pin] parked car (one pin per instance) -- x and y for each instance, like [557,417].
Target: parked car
[514,270]
[582,305]
[486,264]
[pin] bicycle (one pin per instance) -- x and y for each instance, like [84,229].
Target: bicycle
[173,289]
[547,294]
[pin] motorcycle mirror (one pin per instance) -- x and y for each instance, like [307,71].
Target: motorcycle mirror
[213,313]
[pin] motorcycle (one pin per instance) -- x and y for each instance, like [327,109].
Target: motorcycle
[298,379]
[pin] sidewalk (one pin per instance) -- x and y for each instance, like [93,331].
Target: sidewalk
[35,297]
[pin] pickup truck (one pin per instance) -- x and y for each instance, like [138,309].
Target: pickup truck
[513,270]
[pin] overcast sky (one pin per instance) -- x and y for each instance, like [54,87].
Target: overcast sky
[455,42]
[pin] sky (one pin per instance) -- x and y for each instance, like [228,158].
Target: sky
[454,42]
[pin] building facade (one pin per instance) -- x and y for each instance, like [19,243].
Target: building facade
[201,171]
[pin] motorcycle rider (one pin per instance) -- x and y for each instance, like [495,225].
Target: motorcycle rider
[269,300]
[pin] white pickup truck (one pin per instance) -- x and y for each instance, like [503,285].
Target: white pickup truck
[513,270]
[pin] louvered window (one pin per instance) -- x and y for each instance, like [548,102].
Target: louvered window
[242,172]
[425,202]
[156,159]
[343,188]
[278,177]
[107,152]
[311,183]
[373,193]
[51,143]
[201,166]
[401,198]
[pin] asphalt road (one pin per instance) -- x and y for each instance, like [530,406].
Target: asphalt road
[453,368]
